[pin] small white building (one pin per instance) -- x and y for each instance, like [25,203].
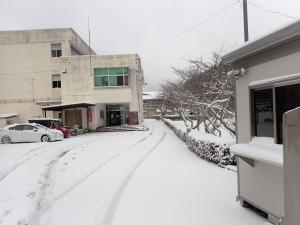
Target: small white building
[268,86]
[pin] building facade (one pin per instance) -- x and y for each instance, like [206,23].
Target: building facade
[53,67]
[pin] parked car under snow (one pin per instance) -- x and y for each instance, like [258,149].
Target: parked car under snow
[29,133]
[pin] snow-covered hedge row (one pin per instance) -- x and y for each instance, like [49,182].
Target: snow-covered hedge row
[213,152]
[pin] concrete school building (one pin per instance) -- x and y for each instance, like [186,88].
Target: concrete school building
[50,73]
[267,87]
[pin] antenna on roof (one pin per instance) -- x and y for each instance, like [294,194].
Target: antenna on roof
[90,50]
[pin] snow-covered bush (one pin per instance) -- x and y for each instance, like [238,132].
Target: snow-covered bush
[214,152]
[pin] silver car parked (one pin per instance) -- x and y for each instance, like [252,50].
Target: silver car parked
[29,133]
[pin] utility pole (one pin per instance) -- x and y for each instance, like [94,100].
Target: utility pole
[90,50]
[245,13]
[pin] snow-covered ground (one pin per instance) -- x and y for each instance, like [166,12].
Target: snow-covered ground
[124,178]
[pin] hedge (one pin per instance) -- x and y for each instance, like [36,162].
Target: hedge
[213,152]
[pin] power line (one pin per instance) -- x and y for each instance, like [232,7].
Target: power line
[192,27]
[271,11]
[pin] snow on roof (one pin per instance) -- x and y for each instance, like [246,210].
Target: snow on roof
[151,95]
[273,38]
[69,105]
[8,115]
[261,149]
[274,80]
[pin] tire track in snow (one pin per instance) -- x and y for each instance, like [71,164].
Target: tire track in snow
[109,216]
[43,207]
[18,164]
[35,215]
[5,172]
[92,172]
[101,166]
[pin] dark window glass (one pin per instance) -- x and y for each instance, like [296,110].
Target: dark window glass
[287,98]
[56,84]
[120,81]
[28,127]
[19,127]
[263,113]
[56,81]
[56,50]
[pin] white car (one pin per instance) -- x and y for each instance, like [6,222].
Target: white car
[29,132]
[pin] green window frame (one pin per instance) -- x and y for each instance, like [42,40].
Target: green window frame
[111,77]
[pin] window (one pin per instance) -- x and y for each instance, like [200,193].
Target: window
[286,98]
[19,127]
[56,82]
[263,113]
[56,50]
[28,127]
[117,76]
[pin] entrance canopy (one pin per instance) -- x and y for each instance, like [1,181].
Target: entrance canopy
[8,115]
[67,106]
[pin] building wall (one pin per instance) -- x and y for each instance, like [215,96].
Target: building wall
[277,62]
[78,69]
[26,68]
[96,120]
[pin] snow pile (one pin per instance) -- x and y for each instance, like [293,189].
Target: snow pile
[209,147]
[262,149]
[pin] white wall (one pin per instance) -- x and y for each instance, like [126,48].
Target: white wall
[275,67]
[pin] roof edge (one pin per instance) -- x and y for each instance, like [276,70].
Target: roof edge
[276,38]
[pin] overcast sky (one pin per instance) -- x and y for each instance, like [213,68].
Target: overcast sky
[136,26]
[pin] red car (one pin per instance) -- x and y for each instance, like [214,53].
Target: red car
[53,124]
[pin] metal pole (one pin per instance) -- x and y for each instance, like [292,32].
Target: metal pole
[90,50]
[245,13]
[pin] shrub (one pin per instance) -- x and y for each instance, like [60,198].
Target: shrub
[213,152]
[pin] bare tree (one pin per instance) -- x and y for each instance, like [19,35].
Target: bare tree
[205,91]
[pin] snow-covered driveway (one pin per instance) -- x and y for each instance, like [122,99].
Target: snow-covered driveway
[125,178]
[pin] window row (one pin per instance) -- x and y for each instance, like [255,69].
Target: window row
[106,77]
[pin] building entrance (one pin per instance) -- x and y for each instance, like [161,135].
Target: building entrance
[114,118]
[117,114]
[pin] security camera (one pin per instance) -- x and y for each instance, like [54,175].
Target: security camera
[237,73]
[243,71]
[233,73]
[64,71]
